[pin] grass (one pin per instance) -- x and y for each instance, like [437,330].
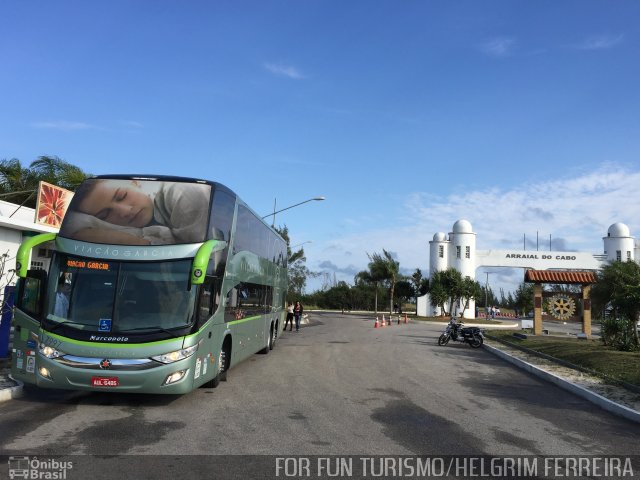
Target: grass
[589,354]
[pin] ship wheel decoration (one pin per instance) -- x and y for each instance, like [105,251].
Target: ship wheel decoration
[562,306]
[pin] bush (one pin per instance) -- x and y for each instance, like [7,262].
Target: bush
[618,333]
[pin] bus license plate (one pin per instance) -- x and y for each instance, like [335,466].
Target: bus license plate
[104,381]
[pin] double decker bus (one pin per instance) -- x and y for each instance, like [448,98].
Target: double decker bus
[157,284]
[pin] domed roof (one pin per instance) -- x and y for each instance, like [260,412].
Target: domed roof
[618,230]
[462,226]
[439,237]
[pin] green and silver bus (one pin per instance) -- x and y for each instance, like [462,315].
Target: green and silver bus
[156,284]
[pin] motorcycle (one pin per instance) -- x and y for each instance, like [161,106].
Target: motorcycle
[459,333]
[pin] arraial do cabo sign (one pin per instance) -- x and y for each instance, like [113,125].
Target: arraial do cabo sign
[458,250]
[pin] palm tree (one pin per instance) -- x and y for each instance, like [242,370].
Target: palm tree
[445,285]
[373,276]
[384,267]
[17,183]
[469,289]
[438,293]
[297,270]
[58,172]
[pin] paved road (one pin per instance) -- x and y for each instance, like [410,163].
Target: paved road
[338,387]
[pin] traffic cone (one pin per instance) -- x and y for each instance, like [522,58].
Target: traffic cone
[398,319]
[390,320]
[405,318]
[384,323]
[377,324]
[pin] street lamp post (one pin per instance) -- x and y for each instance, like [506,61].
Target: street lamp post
[273,224]
[486,294]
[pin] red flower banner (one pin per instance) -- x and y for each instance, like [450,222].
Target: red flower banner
[52,204]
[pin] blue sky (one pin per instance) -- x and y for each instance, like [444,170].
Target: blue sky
[519,116]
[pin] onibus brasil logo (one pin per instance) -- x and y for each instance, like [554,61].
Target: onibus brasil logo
[35,468]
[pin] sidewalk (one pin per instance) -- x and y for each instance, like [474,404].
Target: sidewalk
[607,395]
[9,388]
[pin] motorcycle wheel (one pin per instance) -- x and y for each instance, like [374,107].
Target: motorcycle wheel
[443,339]
[476,341]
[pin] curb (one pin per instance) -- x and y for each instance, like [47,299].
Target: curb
[12,392]
[582,392]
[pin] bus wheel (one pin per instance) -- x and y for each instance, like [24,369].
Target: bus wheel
[274,335]
[270,340]
[222,372]
[223,363]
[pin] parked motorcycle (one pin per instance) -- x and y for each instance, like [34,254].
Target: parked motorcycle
[459,333]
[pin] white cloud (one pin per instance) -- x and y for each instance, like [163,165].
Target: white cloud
[499,46]
[284,71]
[600,42]
[63,125]
[576,211]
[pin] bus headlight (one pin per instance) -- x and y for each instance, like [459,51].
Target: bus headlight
[175,377]
[49,352]
[176,355]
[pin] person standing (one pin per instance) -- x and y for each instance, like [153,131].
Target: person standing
[289,320]
[297,313]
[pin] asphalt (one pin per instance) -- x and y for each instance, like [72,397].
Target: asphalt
[10,388]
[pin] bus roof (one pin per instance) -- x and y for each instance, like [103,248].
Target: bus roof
[167,178]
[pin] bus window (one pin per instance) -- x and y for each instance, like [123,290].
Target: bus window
[30,292]
[209,299]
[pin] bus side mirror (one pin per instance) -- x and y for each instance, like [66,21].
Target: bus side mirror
[31,293]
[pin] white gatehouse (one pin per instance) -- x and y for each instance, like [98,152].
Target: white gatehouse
[458,251]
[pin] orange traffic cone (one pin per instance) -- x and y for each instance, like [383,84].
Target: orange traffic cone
[405,318]
[384,323]
[377,324]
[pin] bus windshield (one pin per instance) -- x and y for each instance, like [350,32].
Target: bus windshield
[119,297]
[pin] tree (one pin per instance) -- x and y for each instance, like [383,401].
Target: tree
[404,291]
[19,184]
[297,271]
[618,292]
[385,267]
[444,286]
[420,284]
[468,289]
[58,172]
[371,277]
[6,275]
[524,297]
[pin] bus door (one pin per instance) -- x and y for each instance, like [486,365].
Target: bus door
[26,322]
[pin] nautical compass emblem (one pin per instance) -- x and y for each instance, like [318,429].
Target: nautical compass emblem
[105,364]
[562,306]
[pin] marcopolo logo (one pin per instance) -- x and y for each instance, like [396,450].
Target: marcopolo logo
[35,468]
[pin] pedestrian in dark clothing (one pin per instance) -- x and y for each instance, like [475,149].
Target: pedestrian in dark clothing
[297,313]
[289,320]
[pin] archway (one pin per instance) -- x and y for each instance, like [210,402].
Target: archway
[540,277]
[458,251]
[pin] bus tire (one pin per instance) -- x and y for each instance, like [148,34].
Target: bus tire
[225,360]
[270,340]
[274,335]
[222,371]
